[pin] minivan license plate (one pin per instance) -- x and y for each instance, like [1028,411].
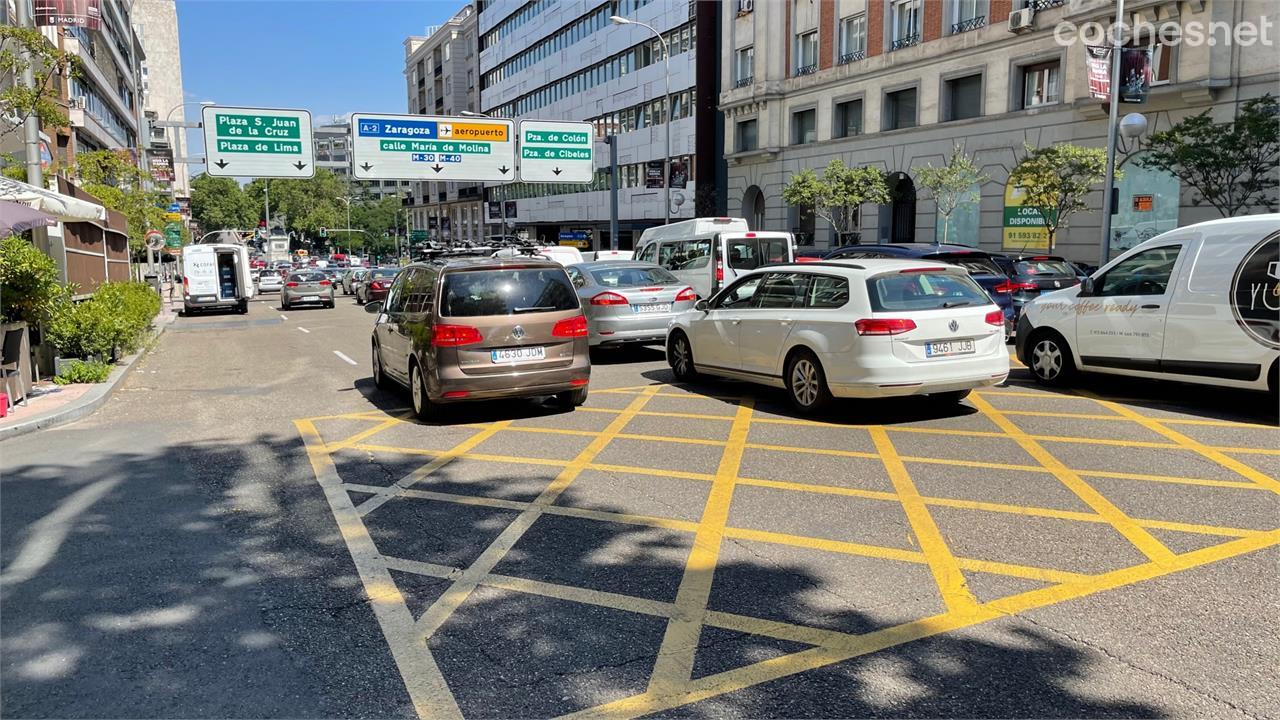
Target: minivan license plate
[951,347]
[520,354]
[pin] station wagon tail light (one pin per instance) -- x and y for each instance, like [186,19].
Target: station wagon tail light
[996,317]
[609,298]
[291,284]
[575,326]
[884,326]
[686,294]
[455,335]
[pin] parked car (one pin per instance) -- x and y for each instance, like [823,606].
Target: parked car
[982,268]
[306,287]
[270,281]
[1198,304]
[351,278]
[627,301]
[1030,275]
[707,253]
[457,329]
[375,284]
[840,328]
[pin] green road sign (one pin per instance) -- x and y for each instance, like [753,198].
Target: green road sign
[258,142]
[418,235]
[173,234]
[556,151]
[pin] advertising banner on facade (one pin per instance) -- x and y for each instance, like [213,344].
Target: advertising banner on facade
[653,174]
[1024,228]
[1135,73]
[509,210]
[495,211]
[1098,59]
[161,165]
[679,174]
[68,13]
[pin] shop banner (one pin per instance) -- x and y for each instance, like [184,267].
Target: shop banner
[1024,228]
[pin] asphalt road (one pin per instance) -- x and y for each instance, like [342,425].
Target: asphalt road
[250,529]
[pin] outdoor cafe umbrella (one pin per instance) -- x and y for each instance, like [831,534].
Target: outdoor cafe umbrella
[16,217]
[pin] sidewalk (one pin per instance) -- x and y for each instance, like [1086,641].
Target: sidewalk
[50,404]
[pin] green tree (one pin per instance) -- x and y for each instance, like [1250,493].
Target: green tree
[1230,165]
[836,194]
[19,102]
[111,176]
[219,203]
[950,185]
[308,204]
[1057,180]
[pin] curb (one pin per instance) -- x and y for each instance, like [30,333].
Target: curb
[90,401]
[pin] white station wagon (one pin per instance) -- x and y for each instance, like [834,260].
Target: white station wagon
[867,328]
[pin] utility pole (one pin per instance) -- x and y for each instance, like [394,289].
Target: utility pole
[31,127]
[1117,31]
[612,140]
[266,205]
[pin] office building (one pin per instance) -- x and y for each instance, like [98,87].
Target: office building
[162,93]
[105,100]
[896,84]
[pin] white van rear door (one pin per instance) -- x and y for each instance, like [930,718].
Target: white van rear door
[742,252]
[201,272]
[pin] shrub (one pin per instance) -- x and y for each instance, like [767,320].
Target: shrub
[29,288]
[92,371]
[111,322]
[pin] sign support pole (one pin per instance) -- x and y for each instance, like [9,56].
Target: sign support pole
[31,126]
[613,191]
[1108,207]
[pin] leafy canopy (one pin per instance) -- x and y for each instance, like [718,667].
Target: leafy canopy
[47,63]
[950,184]
[1057,180]
[836,194]
[219,203]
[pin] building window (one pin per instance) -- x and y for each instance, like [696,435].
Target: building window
[747,137]
[964,98]
[807,52]
[900,109]
[853,38]
[848,120]
[471,79]
[744,62]
[1040,85]
[967,15]
[804,127]
[904,17]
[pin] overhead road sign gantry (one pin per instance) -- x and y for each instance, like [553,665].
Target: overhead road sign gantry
[556,151]
[430,147]
[258,142]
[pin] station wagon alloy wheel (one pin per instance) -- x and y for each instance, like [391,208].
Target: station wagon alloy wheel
[804,382]
[681,357]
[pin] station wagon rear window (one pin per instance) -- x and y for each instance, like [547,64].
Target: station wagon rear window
[923,291]
[475,293]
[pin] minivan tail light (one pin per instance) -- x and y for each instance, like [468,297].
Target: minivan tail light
[575,326]
[996,317]
[455,335]
[884,326]
[686,294]
[609,298]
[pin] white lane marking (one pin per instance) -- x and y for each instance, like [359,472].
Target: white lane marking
[46,535]
[282,317]
[304,330]
[349,361]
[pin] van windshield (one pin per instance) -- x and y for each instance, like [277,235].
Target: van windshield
[751,253]
[923,291]
[473,293]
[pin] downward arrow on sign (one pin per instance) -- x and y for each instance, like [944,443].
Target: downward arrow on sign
[437,167]
[299,164]
[222,163]
[556,170]
[503,169]
[366,167]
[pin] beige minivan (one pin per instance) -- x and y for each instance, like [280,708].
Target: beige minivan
[457,329]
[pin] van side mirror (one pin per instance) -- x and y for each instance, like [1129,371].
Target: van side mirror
[700,306]
[1086,287]
[373,308]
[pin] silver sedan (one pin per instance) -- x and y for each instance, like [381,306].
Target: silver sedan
[629,302]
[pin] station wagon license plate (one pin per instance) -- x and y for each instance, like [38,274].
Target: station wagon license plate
[651,308]
[951,347]
[520,354]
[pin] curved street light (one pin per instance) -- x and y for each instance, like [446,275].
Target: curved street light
[666,66]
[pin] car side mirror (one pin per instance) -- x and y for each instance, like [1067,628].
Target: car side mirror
[700,305]
[373,308]
[1086,287]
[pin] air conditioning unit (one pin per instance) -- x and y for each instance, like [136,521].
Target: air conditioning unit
[82,102]
[1021,21]
[745,6]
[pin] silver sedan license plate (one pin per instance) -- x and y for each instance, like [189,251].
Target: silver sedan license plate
[520,354]
[310,298]
[651,308]
[950,347]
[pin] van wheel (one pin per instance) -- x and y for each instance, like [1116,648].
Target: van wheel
[1051,361]
[380,380]
[806,383]
[572,398]
[422,407]
[680,357]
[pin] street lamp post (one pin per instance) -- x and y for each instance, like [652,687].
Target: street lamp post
[666,66]
[1117,42]
[180,140]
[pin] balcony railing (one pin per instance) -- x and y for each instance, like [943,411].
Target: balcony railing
[806,69]
[854,56]
[743,81]
[972,23]
[1041,5]
[905,41]
[439,70]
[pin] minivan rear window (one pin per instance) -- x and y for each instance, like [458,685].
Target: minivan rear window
[751,253]
[923,291]
[1044,267]
[473,293]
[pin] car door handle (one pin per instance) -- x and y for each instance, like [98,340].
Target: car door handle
[1150,307]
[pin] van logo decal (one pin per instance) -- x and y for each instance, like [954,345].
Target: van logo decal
[953,325]
[517,332]
[1255,292]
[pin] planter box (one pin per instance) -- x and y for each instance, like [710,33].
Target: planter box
[24,365]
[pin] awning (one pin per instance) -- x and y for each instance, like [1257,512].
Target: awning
[63,207]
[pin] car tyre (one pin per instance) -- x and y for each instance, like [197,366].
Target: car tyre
[380,379]
[572,398]
[807,383]
[284,304]
[1050,358]
[950,398]
[422,406]
[680,357]
[359,299]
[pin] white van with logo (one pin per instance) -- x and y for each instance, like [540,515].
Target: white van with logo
[708,253]
[1198,304]
[216,276]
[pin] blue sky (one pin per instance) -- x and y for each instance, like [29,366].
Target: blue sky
[331,57]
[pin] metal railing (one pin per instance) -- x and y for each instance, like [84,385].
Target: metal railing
[743,82]
[1041,5]
[806,69]
[905,41]
[972,23]
[854,56]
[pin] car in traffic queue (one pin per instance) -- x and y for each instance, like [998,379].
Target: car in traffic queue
[840,328]
[707,253]
[375,284]
[457,329]
[1198,304]
[306,287]
[627,301]
[270,281]
[1033,274]
[351,278]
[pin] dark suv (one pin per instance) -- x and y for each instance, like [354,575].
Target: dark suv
[1031,275]
[455,329]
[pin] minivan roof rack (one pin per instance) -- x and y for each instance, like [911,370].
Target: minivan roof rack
[437,251]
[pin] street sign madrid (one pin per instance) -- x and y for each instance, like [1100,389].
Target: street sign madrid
[258,142]
[555,151]
[425,147]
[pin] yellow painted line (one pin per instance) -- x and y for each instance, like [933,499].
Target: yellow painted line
[946,571]
[1216,423]
[1141,539]
[670,439]
[652,701]
[440,461]
[368,415]
[1023,393]
[655,413]
[691,396]
[599,598]
[813,451]
[462,588]
[1065,416]
[674,664]
[1168,479]
[423,680]
[1014,361]
[625,518]
[657,472]
[364,435]
[820,489]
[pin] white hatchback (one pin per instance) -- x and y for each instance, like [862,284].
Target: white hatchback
[870,328]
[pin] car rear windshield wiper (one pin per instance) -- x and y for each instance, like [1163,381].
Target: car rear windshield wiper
[955,304]
[534,308]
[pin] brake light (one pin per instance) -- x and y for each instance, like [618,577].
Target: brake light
[454,394]
[291,284]
[922,270]
[324,283]
[455,335]
[375,285]
[609,298]
[1041,257]
[686,294]
[884,326]
[807,259]
[751,235]
[575,326]
[186,287]
[720,272]
[579,382]
[996,317]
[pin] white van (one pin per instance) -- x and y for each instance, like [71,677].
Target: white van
[708,253]
[216,276]
[1198,304]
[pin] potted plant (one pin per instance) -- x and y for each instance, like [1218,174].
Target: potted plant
[30,294]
